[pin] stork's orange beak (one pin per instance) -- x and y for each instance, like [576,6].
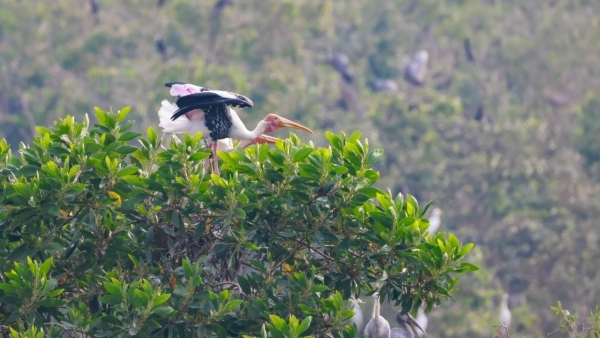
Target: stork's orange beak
[291,124]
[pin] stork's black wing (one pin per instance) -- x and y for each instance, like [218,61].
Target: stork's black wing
[170,84]
[207,99]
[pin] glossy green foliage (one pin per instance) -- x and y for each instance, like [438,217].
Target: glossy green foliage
[104,238]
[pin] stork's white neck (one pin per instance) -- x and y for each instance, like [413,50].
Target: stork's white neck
[240,132]
[376,308]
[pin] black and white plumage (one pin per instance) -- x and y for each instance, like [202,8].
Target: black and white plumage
[199,109]
[408,327]
[415,68]
[377,327]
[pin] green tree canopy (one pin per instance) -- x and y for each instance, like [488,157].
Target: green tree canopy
[102,238]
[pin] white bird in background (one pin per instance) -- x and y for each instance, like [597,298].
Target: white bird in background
[357,319]
[416,67]
[435,220]
[504,316]
[422,319]
[408,327]
[377,327]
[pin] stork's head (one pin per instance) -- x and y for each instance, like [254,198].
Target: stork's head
[275,122]
[408,322]
[376,295]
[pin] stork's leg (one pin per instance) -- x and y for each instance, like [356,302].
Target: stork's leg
[207,162]
[215,159]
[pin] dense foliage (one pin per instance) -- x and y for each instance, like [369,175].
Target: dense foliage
[503,135]
[102,238]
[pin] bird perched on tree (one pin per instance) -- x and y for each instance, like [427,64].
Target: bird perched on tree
[161,46]
[469,51]
[211,112]
[504,316]
[168,109]
[95,9]
[415,68]
[422,319]
[215,19]
[383,85]
[435,220]
[377,327]
[341,63]
[408,327]
[357,319]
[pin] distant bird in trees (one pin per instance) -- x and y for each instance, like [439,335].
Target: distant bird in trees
[95,10]
[211,112]
[377,327]
[435,220]
[357,319]
[160,3]
[422,319]
[408,327]
[479,113]
[341,63]
[469,51]
[161,46]
[504,316]
[383,85]
[415,68]
[215,19]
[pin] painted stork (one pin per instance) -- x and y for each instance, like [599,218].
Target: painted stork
[435,220]
[408,327]
[168,109]
[210,112]
[504,316]
[416,67]
[422,319]
[377,327]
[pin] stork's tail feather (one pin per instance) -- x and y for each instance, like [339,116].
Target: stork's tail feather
[165,112]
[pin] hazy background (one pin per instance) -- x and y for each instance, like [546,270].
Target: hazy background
[506,140]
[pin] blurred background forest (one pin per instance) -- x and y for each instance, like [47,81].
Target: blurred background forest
[504,134]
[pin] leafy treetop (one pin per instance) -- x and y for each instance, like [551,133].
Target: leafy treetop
[102,238]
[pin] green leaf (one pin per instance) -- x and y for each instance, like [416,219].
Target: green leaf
[334,140]
[162,310]
[123,113]
[233,304]
[161,299]
[46,267]
[302,154]
[304,325]
[127,171]
[153,137]
[278,322]
[113,289]
[128,136]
